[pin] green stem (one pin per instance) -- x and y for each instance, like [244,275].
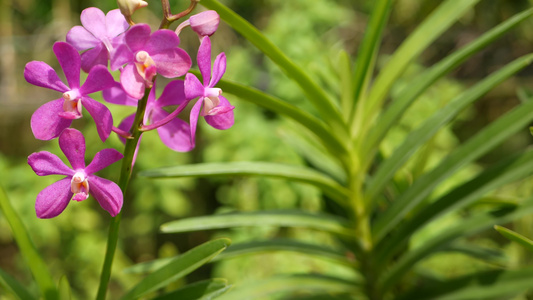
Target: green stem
[125,175]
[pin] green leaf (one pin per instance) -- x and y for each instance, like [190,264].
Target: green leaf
[178,267]
[288,218]
[29,252]
[417,138]
[485,140]
[506,171]
[433,26]
[497,284]
[202,290]
[293,283]
[493,256]
[14,287]
[346,83]
[284,171]
[325,106]
[65,292]
[515,237]
[394,112]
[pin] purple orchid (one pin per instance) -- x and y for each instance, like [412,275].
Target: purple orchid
[174,132]
[80,181]
[204,23]
[49,120]
[146,55]
[216,109]
[99,35]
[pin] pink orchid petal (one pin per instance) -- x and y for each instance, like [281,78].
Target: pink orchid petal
[93,57]
[117,95]
[172,63]
[101,115]
[46,124]
[132,82]
[53,199]
[137,36]
[205,23]
[175,134]
[81,39]
[103,159]
[195,112]
[120,56]
[219,68]
[72,143]
[173,94]
[115,23]
[161,40]
[98,79]
[70,62]
[126,125]
[40,74]
[45,163]
[225,118]
[107,193]
[94,20]
[193,87]
[204,60]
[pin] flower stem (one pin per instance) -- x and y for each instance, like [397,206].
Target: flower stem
[169,17]
[125,174]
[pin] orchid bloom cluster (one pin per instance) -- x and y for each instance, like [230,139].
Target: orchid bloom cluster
[137,56]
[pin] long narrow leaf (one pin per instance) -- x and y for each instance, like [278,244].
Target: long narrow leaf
[178,267]
[410,93]
[297,173]
[515,237]
[416,138]
[11,285]
[289,218]
[203,290]
[467,227]
[432,27]
[486,140]
[29,252]
[325,106]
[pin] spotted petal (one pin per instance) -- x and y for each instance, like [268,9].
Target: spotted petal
[107,193]
[53,199]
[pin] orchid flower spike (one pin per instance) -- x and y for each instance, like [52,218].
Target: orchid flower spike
[128,7]
[49,120]
[204,23]
[216,109]
[80,181]
[145,55]
[100,34]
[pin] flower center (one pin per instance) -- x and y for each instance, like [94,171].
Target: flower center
[71,105]
[79,185]
[211,100]
[146,67]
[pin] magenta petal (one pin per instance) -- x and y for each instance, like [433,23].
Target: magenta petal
[93,57]
[53,199]
[98,79]
[173,94]
[40,74]
[204,60]
[101,115]
[93,19]
[70,62]
[120,56]
[193,87]
[126,125]
[205,23]
[45,163]
[176,134]
[103,159]
[172,63]
[107,193]
[219,68]
[161,40]
[116,23]
[72,143]
[46,124]
[132,82]
[224,120]
[137,36]
[81,39]
[195,112]
[117,95]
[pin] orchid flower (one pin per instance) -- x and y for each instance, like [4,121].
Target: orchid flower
[49,120]
[100,34]
[216,109]
[145,55]
[80,180]
[204,23]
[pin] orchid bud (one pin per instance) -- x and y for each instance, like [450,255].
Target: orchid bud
[128,7]
[204,23]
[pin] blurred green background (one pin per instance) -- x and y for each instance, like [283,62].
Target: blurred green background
[311,33]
